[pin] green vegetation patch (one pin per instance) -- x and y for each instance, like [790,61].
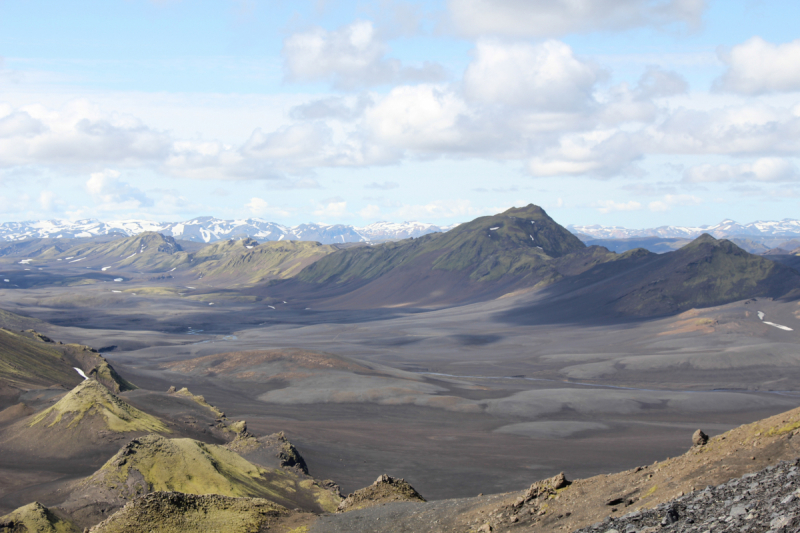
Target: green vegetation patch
[35,517]
[177,513]
[92,399]
[193,467]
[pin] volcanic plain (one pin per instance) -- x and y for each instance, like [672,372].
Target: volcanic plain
[564,360]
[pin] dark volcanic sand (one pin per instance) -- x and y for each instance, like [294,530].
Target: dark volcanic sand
[548,426]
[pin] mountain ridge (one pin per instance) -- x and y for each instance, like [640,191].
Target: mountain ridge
[727,228]
[209,229]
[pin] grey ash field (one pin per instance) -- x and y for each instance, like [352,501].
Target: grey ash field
[473,362]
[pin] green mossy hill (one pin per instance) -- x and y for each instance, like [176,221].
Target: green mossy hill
[173,512]
[516,242]
[92,403]
[35,518]
[36,248]
[146,252]
[154,463]
[385,489]
[705,272]
[246,261]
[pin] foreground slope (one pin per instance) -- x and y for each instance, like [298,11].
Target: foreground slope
[556,504]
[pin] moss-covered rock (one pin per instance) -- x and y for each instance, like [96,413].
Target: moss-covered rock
[91,400]
[35,518]
[173,512]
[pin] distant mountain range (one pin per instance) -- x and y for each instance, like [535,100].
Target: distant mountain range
[727,228]
[210,229]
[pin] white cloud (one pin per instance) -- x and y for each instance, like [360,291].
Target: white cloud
[332,208]
[757,67]
[260,207]
[552,18]
[76,135]
[20,124]
[351,56]
[767,169]
[751,128]
[602,153]
[673,200]
[112,193]
[545,76]
[426,118]
[656,82]
[610,206]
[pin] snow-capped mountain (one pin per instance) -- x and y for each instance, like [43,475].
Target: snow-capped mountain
[393,231]
[210,229]
[727,228]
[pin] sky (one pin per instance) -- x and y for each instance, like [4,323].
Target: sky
[635,113]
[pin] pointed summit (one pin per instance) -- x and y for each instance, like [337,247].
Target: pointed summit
[91,404]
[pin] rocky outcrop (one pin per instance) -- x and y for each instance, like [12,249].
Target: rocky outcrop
[699,438]
[177,512]
[385,489]
[768,500]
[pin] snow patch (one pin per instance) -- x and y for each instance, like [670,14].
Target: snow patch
[117,279]
[79,371]
[774,325]
[494,228]
[105,268]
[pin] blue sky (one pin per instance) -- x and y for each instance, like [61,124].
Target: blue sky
[636,113]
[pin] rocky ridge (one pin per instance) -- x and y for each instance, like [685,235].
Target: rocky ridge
[385,489]
[768,500]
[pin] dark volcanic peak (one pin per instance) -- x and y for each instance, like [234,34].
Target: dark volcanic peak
[481,259]
[485,249]
[704,273]
[709,272]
